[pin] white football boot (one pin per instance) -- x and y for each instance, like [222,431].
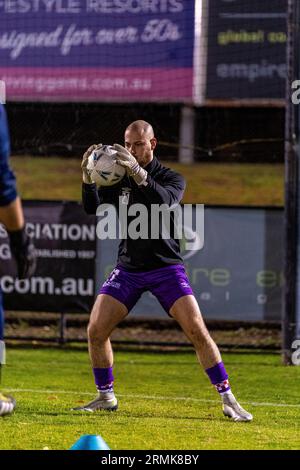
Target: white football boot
[233,410]
[104,401]
[7,404]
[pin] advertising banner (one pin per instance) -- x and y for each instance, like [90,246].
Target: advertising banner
[246,49]
[237,275]
[65,241]
[79,50]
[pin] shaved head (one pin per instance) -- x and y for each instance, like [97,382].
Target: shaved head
[140,141]
[141,127]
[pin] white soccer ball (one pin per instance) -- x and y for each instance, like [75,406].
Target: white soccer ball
[102,166]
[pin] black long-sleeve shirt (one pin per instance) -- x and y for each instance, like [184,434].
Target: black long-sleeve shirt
[164,186]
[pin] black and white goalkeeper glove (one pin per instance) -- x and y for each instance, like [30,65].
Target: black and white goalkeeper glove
[85,173]
[128,161]
[23,251]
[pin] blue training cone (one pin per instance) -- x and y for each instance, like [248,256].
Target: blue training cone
[90,442]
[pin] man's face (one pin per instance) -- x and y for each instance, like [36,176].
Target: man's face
[140,145]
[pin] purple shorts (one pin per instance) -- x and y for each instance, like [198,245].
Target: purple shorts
[168,284]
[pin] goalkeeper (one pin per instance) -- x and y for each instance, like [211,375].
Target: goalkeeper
[11,215]
[145,264]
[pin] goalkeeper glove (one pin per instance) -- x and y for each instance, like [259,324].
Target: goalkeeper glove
[85,173]
[127,160]
[23,251]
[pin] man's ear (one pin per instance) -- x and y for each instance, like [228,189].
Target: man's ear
[153,143]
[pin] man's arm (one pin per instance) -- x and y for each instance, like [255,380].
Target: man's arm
[21,246]
[90,195]
[12,216]
[93,197]
[11,213]
[170,193]
[8,190]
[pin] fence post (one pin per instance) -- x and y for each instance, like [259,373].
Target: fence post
[187,135]
[62,328]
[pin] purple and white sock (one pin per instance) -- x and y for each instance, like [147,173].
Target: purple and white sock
[219,377]
[104,379]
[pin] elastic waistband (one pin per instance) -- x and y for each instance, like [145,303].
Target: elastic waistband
[163,268]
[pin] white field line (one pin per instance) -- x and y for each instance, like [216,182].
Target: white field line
[149,397]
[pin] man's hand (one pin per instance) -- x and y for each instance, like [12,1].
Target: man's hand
[85,174]
[127,160]
[23,251]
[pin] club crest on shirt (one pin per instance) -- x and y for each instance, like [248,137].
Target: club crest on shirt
[125,195]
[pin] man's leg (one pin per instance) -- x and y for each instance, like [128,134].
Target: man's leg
[2,344]
[107,312]
[186,312]
[7,403]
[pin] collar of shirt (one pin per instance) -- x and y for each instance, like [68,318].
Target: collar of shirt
[150,168]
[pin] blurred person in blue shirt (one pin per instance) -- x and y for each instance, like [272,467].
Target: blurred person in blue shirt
[22,249]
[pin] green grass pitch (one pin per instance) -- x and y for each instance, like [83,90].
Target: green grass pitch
[165,402]
[207,183]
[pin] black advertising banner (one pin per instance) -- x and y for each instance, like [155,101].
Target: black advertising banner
[237,275]
[65,241]
[246,49]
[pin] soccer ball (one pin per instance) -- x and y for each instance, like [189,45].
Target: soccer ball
[102,166]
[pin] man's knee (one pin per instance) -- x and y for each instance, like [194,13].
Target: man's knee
[199,335]
[95,333]
[106,314]
[196,330]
